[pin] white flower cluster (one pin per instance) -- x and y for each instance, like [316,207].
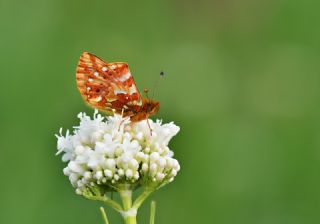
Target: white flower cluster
[109,151]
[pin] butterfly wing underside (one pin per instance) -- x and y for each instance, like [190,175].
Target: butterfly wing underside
[107,86]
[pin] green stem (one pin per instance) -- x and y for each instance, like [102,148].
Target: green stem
[126,196]
[106,200]
[129,213]
[130,209]
[104,216]
[152,212]
[130,220]
[137,203]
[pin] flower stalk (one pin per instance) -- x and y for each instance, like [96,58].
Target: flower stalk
[129,213]
[104,216]
[142,197]
[152,212]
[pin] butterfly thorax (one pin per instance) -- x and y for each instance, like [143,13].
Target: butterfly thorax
[149,108]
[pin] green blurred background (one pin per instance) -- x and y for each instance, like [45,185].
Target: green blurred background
[242,81]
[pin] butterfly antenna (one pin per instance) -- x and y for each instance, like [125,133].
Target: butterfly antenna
[156,84]
[146,91]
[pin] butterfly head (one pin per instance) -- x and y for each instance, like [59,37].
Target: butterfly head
[151,107]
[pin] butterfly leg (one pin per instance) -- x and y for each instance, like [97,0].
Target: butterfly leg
[149,126]
[120,124]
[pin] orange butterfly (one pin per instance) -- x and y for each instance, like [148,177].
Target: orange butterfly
[110,87]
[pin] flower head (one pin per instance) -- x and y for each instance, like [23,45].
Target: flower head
[111,151]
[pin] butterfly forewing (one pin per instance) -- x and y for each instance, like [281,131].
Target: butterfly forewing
[107,86]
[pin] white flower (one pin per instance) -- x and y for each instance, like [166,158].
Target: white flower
[113,150]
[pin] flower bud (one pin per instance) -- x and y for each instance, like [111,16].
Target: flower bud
[129,173]
[108,173]
[98,175]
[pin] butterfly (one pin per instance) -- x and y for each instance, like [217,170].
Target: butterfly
[110,88]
